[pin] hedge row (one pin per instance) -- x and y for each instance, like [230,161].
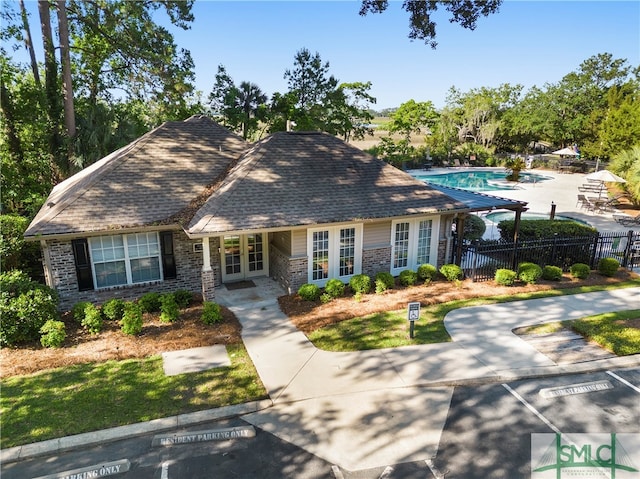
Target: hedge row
[529,273]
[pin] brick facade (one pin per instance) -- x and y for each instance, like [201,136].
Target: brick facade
[188,273]
[375,260]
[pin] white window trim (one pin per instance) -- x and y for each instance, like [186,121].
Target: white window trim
[414,226]
[334,253]
[127,264]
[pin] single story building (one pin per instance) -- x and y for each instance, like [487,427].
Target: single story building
[190,205]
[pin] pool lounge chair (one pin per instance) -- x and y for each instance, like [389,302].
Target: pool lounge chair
[627,220]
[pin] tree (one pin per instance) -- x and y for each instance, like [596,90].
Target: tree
[413,118]
[421,24]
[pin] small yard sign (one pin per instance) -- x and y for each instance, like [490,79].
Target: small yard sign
[413,315]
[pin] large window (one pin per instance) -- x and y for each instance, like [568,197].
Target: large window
[413,243]
[334,252]
[125,259]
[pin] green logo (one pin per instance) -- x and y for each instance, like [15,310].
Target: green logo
[584,455]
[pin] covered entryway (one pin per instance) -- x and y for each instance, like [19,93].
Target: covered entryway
[244,256]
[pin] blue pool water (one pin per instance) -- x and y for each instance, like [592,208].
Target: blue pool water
[482,180]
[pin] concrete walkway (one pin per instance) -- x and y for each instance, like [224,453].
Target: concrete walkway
[369,409]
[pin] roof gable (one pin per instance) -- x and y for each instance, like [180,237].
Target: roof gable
[294,179]
[147,182]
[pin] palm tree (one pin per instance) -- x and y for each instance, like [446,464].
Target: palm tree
[249,99]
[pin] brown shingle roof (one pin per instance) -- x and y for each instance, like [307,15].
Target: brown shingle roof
[291,179]
[147,182]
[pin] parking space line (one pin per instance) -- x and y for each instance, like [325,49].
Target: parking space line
[624,381]
[532,409]
[165,470]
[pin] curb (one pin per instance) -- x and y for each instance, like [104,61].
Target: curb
[62,444]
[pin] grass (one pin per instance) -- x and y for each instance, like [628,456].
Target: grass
[391,329]
[610,331]
[90,397]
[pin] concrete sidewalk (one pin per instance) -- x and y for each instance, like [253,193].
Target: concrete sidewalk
[368,409]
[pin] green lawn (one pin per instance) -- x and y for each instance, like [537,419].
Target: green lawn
[391,329]
[90,397]
[610,331]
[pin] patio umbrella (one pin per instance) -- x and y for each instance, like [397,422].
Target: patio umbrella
[605,176]
[566,151]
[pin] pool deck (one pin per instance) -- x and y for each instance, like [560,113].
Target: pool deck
[562,190]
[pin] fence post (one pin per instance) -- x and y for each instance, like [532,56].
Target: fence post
[627,250]
[474,264]
[596,244]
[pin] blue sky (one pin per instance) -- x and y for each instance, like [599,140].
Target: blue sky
[528,43]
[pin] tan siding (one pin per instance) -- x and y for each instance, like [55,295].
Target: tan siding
[282,241]
[299,243]
[377,234]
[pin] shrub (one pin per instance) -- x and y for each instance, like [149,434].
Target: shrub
[360,283]
[384,281]
[325,298]
[529,272]
[334,288]
[53,334]
[426,272]
[169,310]
[131,322]
[474,228]
[608,266]
[113,309]
[25,306]
[211,312]
[150,302]
[15,252]
[505,277]
[408,277]
[78,310]
[451,272]
[92,320]
[537,229]
[183,298]
[309,292]
[552,273]
[580,270]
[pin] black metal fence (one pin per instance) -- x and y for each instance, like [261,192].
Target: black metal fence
[481,259]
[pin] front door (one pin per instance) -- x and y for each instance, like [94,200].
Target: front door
[244,256]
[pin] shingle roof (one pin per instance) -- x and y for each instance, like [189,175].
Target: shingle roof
[145,183]
[293,178]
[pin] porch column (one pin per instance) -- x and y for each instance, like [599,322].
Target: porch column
[208,277]
[459,238]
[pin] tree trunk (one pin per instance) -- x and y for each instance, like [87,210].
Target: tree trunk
[65,60]
[58,157]
[29,43]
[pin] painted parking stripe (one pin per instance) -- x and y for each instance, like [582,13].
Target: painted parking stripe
[165,470]
[624,381]
[337,473]
[532,409]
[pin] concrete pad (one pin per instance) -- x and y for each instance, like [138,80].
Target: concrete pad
[195,360]
[363,430]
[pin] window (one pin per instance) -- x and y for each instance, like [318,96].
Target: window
[334,252]
[125,259]
[412,244]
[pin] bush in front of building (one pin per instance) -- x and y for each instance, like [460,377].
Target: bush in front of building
[452,272]
[150,302]
[309,292]
[529,272]
[334,288]
[580,270]
[53,334]
[552,273]
[169,310]
[25,306]
[505,277]
[427,272]
[92,320]
[113,309]
[131,322]
[211,313]
[183,298]
[360,284]
[408,277]
[384,281]
[608,266]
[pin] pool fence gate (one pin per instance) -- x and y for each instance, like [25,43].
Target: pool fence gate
[481,259]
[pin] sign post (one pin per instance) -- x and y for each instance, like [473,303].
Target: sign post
[413,315]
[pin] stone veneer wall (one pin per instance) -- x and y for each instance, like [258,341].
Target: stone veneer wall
[375,260]
[188,269]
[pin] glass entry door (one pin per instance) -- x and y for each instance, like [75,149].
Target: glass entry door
[244,256]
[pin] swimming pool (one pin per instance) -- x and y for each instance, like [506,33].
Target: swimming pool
[499,216]
[481,180]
